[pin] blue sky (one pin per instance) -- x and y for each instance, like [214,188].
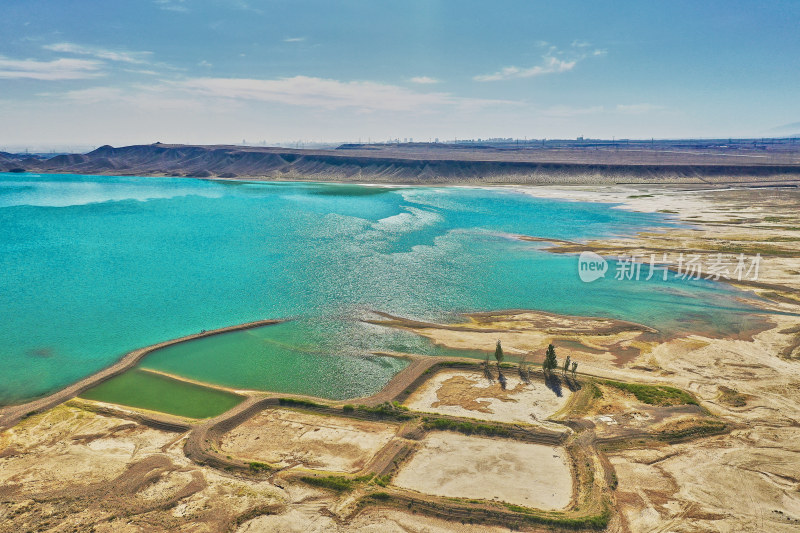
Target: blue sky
[214,71]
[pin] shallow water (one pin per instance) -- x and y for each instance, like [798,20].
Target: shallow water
[94,266]
[147,390]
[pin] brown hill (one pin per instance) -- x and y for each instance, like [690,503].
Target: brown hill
[426,163]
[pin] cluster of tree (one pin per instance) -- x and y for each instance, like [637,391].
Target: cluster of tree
[548,366]
[551,362]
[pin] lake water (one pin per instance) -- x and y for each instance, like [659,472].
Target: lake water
[94,266]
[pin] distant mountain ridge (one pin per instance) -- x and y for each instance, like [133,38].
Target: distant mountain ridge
[420,164]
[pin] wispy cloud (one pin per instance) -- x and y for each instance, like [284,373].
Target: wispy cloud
[553,62]
[58,69]
[423,80]
[329,93]
[550,65]
[172,5]
[294,39]
[242,5]
[100,53]
[146,97]
[146,72]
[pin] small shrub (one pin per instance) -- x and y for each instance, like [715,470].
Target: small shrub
[695,428]
[298,402]
[655,394]
[389,410]
[255,466]
[336,483]
[468,428]
[383,480]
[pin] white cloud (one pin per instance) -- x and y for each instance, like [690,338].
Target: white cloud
[241,5]
[145,97]
[553,62]
[423,80]
[100,53]
[328,93]
[146,72]
[58,69]
[294,39]
[92,94]
[204,63]
[172,5]
[549,66]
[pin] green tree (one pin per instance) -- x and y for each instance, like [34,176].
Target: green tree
[574,368]
[524,371]
[487,372]
[550,361]
[498,353]
[566,365]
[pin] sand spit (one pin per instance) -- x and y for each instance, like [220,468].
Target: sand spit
[527,333]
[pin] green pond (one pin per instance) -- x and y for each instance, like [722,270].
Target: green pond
[147,390]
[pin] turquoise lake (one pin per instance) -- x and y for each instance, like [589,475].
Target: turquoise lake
[95,266]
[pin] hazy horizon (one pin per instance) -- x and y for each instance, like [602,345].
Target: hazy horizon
[55,149]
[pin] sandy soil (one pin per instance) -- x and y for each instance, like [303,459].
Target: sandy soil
[469,394]
[747,480]
[76,470]
[287,438]
[456,465]
[369,521]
